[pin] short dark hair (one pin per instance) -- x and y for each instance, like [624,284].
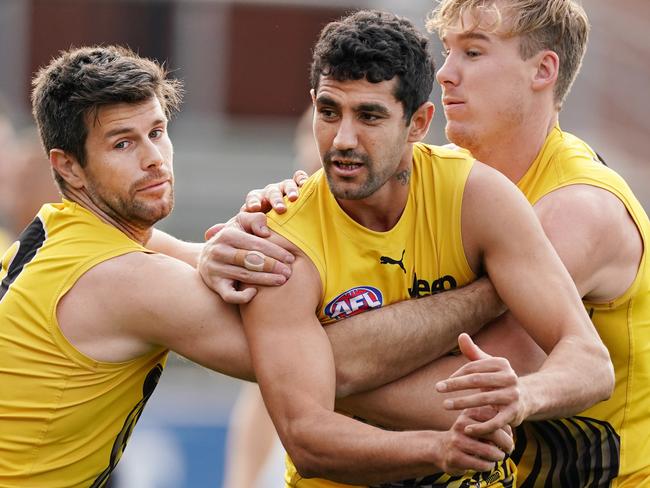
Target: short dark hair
[79,81]
[376,46]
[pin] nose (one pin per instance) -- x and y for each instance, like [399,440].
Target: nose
[152,156]
[448,72]
[346,135]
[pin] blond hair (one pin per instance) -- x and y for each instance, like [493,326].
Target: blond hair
[560,26]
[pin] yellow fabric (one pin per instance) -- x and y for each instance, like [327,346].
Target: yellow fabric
[64,418]
[624,326]
[362,269]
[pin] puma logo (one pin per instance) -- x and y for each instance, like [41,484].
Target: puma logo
[388,260]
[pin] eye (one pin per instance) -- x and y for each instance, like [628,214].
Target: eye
[327,113]
[472,53]
[368,117]
[156,133]
[121,145]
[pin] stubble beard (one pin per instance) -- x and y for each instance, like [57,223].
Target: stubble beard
[131,210]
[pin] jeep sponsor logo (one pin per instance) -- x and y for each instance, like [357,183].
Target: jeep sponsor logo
[424,287]
[354,301]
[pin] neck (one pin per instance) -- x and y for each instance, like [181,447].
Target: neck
[514,153]
[382,210]
[134,232]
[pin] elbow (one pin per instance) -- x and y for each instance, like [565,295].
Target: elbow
[305,441]
[304,454]
[610,376]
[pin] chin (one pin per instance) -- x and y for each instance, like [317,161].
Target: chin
[459,135]
[152,213]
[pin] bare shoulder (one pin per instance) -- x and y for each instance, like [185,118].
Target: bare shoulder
[486,184]
[107,312]
[490,195]
[304,278]
[136,276]
[596,238]
[588,205]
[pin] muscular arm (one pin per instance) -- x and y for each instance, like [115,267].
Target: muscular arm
[295,368]
[528,274]
[380,346]
[140,302]
[376,347]
[595,237]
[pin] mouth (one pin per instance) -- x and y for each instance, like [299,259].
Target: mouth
[452,102]
[347,165]
[153,185]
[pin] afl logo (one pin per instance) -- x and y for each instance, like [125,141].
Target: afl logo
[354,301]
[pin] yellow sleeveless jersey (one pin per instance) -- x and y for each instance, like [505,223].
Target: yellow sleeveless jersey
[64,418]
[361,269]
[613,436]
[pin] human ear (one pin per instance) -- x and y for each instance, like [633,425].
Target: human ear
[420,122]
[547,70]
[68,168]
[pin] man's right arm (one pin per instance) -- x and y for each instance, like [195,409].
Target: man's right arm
[382,345]
[295,368]
[378,346]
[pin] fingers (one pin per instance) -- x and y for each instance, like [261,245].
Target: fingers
[231,238]
[255,202]
[274,195]
[221,253]
[503,396]
[213,230]
[300,177]
[469,349]
[494,372]
[501,438]
[464,452]
[253,223]
[462,461]
[254,261]
[504,418]
[500,434]
[479,453]
[226,289]
[291,188]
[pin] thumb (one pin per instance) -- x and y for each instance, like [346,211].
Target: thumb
[213,230]
[254,223]
[469,349]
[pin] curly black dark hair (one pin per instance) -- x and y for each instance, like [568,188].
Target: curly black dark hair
[376,46]
[79,81]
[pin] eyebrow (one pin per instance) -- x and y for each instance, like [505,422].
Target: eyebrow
[363,107]
[126,130]
[372,107]
[463,36]
[325,100]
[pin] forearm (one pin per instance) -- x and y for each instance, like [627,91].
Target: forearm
[169,245]
[339,448]
[575,376]
[411,402]
[379,346]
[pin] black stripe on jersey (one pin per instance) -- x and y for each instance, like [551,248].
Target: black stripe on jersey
[577,452]
[31,240]
[122,438]
[500,477]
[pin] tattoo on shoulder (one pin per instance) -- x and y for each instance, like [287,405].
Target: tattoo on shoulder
[404,176]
